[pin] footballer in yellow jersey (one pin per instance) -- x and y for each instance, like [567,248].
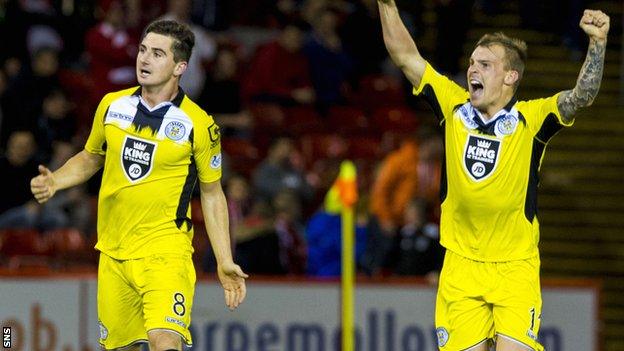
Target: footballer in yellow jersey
[153,159]
[154,144]
[489,288]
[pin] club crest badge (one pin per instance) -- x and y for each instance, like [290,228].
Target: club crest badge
[481,156]
[505,125]
[137,158]
[175,130]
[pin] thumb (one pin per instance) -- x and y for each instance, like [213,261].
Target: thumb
[44,171]
[239,272]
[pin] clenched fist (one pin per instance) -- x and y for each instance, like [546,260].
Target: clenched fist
[596,24]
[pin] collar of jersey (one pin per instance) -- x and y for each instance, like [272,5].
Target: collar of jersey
[176,101]
[478,117]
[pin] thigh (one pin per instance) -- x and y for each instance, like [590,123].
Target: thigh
[167,283]
[518,305]
[120,311]
[463,319]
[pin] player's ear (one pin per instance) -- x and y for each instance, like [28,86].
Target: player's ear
[179,68]
[511,77]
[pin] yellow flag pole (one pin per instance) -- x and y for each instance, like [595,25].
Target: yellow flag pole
[347,187]
[348,281]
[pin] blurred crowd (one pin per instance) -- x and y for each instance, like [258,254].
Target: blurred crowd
[296,86]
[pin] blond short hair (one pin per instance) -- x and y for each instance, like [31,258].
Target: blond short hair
[515,51]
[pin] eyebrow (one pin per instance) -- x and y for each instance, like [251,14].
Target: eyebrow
[159,50]
[481,60]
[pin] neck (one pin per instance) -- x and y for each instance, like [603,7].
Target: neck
[156,95]
[489,111]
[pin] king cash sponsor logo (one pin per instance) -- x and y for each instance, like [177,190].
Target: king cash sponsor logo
[137,158]
[481,156]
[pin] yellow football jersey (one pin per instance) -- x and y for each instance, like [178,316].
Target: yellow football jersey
[490,175]
[153,157]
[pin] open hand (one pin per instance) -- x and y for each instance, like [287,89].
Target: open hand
[595,23]
[43,186]
[232,279]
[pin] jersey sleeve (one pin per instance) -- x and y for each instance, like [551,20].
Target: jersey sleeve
[543,117]
[96,143]
[207,151]
[441,93]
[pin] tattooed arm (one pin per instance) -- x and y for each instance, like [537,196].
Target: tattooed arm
[596,25]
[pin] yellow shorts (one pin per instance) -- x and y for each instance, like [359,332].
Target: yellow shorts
[136,296]
[481,301]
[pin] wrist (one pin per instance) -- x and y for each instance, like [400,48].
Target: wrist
[597,40]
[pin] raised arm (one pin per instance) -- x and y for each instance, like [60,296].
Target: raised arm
[596,25]
[76,170]
[399,42]
[214,209]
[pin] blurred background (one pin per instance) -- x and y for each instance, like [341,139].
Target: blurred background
[297,86]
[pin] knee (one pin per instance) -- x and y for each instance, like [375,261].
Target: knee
[162,340]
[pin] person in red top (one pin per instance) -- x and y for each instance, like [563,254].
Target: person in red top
[279,72]
[112,51]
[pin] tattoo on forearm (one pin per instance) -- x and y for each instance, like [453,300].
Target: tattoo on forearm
[587,84]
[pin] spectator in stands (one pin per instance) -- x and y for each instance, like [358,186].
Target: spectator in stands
[17,207]
[239,201]
[13,26]
[290,232]
[279,72]
[257,243]
[222,96]
[417,247]
[24,98]
[412,170]
[203,53]
[361,35]
[330,66]
[67,208]
[3,88]
[56,124]
[323,235]
[454,20]
[112,51]
[277,173]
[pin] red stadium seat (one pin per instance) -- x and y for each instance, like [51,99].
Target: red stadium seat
[24,247]
[16,242]
[379,91]
[242,154]
[364,147]
[301,120]
[398,119]
[321,146]
[267,115]
[72,250]
[348,120]
[66,240]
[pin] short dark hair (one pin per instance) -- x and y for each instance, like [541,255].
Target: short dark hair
[183,37]
[515,51]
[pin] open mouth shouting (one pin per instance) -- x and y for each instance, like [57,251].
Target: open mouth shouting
[476,88]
